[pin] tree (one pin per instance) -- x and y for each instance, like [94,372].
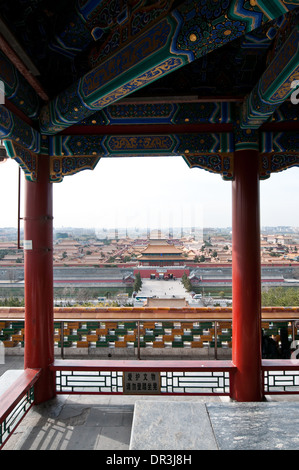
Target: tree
[279,296]
[186,282]
[12,302]
[3,253]
[138,282]
[188,285]
[62,235]
[83,295]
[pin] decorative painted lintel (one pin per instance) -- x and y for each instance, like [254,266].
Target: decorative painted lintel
[209,151]
[27,159]
[276,162]
[64,166]
[14,129]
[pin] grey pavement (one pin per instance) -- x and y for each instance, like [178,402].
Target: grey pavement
[132,423]
[162,289]
[11,363]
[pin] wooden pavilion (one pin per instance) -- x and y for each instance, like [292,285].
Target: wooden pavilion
[213,81]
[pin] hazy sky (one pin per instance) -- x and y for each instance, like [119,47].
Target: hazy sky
[156,192]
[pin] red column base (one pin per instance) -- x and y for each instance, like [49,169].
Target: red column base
[45,387]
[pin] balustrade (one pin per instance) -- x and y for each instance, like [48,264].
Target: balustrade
[205,328]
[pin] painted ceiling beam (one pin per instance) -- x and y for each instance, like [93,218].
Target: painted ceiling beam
[17,89]
[278,151]
[170,113]
[275,85]
[17,48]
[187,33]
[137,145]
[278,142]
[275,8]
[210,151]
[110,24]
[12,128]
[20,65]
[101,26]
[173,118]
[286,112]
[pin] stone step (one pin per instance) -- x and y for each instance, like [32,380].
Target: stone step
[171,425]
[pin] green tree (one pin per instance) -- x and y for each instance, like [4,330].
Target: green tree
[280,296]
[62,235]
[186,282]
[12,302]
[3,253]
[138,282]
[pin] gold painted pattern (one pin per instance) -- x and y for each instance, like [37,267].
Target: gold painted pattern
[138,82]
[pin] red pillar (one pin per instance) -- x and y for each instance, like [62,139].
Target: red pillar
[38,271]
[246,277]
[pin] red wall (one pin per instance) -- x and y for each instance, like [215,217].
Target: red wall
[176,271]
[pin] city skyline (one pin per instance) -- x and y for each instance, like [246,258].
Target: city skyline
[157,192]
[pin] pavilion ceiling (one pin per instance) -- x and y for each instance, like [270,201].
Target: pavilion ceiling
[61,45]
[87,79]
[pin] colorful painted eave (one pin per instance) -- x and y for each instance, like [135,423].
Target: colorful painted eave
[112,110]
[176,40]
[275,86]
[211,151]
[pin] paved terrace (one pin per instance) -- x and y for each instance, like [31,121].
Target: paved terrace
[122,423]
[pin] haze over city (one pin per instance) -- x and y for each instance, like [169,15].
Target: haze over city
[150,192]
